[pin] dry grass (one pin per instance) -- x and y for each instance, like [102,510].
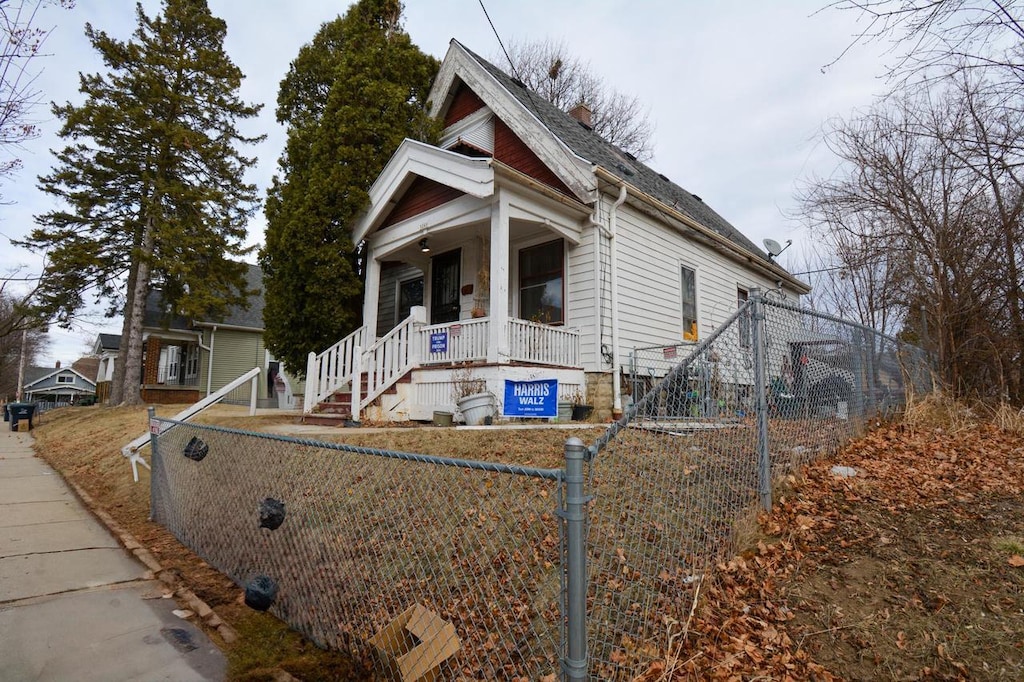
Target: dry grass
[84,444]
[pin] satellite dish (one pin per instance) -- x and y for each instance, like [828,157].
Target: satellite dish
[774,248]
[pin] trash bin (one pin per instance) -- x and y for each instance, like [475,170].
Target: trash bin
[6,417]
[21,412]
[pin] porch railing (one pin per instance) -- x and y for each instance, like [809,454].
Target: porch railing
[388,359]
[543,344]
[331,369]
[462,341]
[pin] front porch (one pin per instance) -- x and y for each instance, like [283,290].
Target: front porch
[418,368]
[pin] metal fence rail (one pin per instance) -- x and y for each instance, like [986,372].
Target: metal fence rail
[514,573]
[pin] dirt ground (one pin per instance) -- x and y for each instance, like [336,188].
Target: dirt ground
[911,569]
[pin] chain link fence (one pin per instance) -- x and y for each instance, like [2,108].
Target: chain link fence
[679,481]
[432,568]
[417,565]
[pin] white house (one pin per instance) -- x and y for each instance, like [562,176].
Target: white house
[525,246]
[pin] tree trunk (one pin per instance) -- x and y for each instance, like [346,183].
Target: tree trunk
[131,339]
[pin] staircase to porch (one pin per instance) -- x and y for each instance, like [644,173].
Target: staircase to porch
[336,409]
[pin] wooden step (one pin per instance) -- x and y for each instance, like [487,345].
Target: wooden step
[327,419]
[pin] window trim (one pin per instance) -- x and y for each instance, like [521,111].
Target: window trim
[543,240]
[745,328]
[693,335]
[398,295]
[70,379]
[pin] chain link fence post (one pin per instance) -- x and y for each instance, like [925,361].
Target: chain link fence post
[764,466]
[155,466]
[574,664]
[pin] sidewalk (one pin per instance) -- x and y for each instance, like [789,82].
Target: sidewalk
[74,605]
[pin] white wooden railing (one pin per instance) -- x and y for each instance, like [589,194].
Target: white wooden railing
[131,451]
[385,362]
[462,341]
[542,344]
[332,369]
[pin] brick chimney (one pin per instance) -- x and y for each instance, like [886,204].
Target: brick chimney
[582,113]
[57,365]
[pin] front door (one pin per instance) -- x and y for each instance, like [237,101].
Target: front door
[445,278]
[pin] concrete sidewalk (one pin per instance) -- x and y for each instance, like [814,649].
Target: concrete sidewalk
[74,604]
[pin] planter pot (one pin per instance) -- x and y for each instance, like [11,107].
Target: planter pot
[476,408]
[581,413]
[564,412]
[442,418]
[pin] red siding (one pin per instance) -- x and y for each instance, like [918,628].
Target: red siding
[511,151]
[464,103]
[421,196]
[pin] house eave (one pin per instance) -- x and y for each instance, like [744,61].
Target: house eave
[730,248]
[570,168]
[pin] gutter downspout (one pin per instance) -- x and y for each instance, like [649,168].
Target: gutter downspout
[209,362]
[613,247]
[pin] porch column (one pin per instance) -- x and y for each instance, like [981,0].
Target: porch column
[497,345]
[371,294]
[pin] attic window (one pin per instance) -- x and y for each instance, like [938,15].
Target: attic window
[65,379]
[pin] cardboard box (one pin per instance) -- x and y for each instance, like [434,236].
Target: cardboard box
[414,645]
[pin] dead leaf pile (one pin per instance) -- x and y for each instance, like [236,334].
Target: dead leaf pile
[911,569]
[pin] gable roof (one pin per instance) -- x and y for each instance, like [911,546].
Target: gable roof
[250,317]
[587,144]
[107,342]
[36,375]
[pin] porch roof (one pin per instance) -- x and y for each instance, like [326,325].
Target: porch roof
[472,176]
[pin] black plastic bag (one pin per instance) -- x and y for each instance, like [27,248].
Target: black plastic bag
[271,513]
[196,449]
[260,593]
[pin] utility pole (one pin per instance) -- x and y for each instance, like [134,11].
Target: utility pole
[21,365]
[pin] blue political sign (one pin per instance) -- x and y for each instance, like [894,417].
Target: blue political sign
[538,398]
[439,342]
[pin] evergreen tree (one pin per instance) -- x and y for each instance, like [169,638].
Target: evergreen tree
[349,99]
[151,182]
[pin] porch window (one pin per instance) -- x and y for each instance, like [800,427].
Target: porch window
[191,364]
[541,277]
[410,293]
[689,290]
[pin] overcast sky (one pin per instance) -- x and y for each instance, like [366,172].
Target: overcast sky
[736,90]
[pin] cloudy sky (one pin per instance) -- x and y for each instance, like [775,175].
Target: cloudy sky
[736,90]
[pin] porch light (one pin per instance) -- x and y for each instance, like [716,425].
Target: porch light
[423,246]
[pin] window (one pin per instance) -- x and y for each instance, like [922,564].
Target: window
[541,273]
[410,293]
[689,289]
[744,321]
[65,379]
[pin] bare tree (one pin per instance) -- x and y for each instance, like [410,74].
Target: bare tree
[938,38]
[547,67]
[21,42]
[927,214]
[21,336]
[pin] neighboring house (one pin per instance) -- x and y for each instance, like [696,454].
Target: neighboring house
[105,348]
[185,360]
[525,246]
[58,385]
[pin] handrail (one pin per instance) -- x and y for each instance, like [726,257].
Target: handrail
[331,369]
[131,451]
[387,361]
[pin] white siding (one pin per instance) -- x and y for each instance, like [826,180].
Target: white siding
[650,296]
